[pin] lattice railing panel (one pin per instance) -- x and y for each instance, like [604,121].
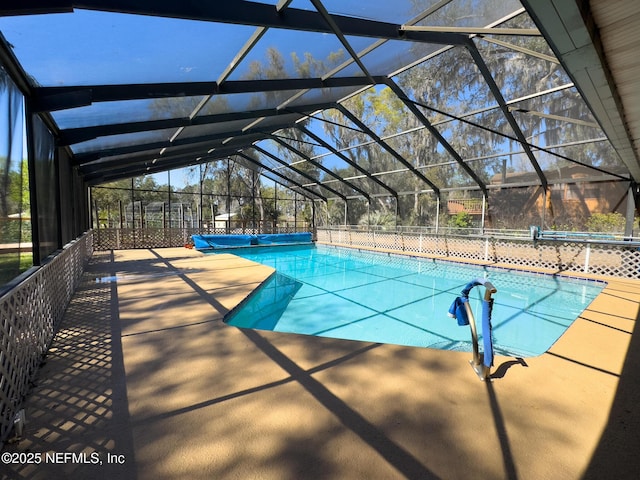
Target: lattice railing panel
[29,315]
[506,251]
[411,243]
[128,238]
[324,236]
[601,259]
[563,256]
[125,238]
[388,241]
[360,239]
[621,261]
[463,247]
[343,237]
[434,245]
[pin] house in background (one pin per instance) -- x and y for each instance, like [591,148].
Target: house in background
[575,192]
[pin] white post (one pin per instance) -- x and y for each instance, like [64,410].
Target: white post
[345,213]
[437,213]
[630,214]
[587,255]
[484,201]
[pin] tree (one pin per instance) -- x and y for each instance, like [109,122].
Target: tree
[13,138]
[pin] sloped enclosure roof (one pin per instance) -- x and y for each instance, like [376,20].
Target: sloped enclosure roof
[332,98]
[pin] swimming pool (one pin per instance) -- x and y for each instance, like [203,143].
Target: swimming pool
[374,297]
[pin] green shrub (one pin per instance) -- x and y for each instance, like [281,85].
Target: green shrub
[377,218]
[460,220]
[606,222]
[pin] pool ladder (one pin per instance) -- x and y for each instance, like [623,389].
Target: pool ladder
[477,363]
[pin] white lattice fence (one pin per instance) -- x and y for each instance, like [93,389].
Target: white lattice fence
[412,243]
[506,251]
[601,259]
[125,238]
[388,241]
[563,256]
[323,236]
[434,245]
[465,248]
[342,237]
[620,261]
[29,315]
[361,239]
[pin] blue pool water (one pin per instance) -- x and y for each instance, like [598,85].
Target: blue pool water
[357,295]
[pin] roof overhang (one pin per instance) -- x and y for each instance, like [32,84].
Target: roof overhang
[578,32]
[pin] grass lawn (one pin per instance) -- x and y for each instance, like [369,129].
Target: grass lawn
[13,264]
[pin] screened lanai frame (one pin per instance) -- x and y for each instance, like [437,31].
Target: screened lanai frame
[319,130]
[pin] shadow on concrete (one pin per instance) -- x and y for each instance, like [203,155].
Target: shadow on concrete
[403,461]
[77,416]
[616,455]
[501,371]
[196,288]
[242,393]
[501,431]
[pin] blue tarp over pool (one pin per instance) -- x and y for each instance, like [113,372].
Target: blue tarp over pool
[208,242]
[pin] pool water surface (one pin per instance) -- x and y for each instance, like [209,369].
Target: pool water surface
[374,297]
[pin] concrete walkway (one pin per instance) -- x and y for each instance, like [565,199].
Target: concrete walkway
[146,381]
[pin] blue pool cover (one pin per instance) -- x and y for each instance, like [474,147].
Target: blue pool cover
[208,242]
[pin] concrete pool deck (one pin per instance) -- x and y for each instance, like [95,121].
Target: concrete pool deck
[145,379]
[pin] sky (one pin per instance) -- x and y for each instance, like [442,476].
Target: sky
[86,47]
